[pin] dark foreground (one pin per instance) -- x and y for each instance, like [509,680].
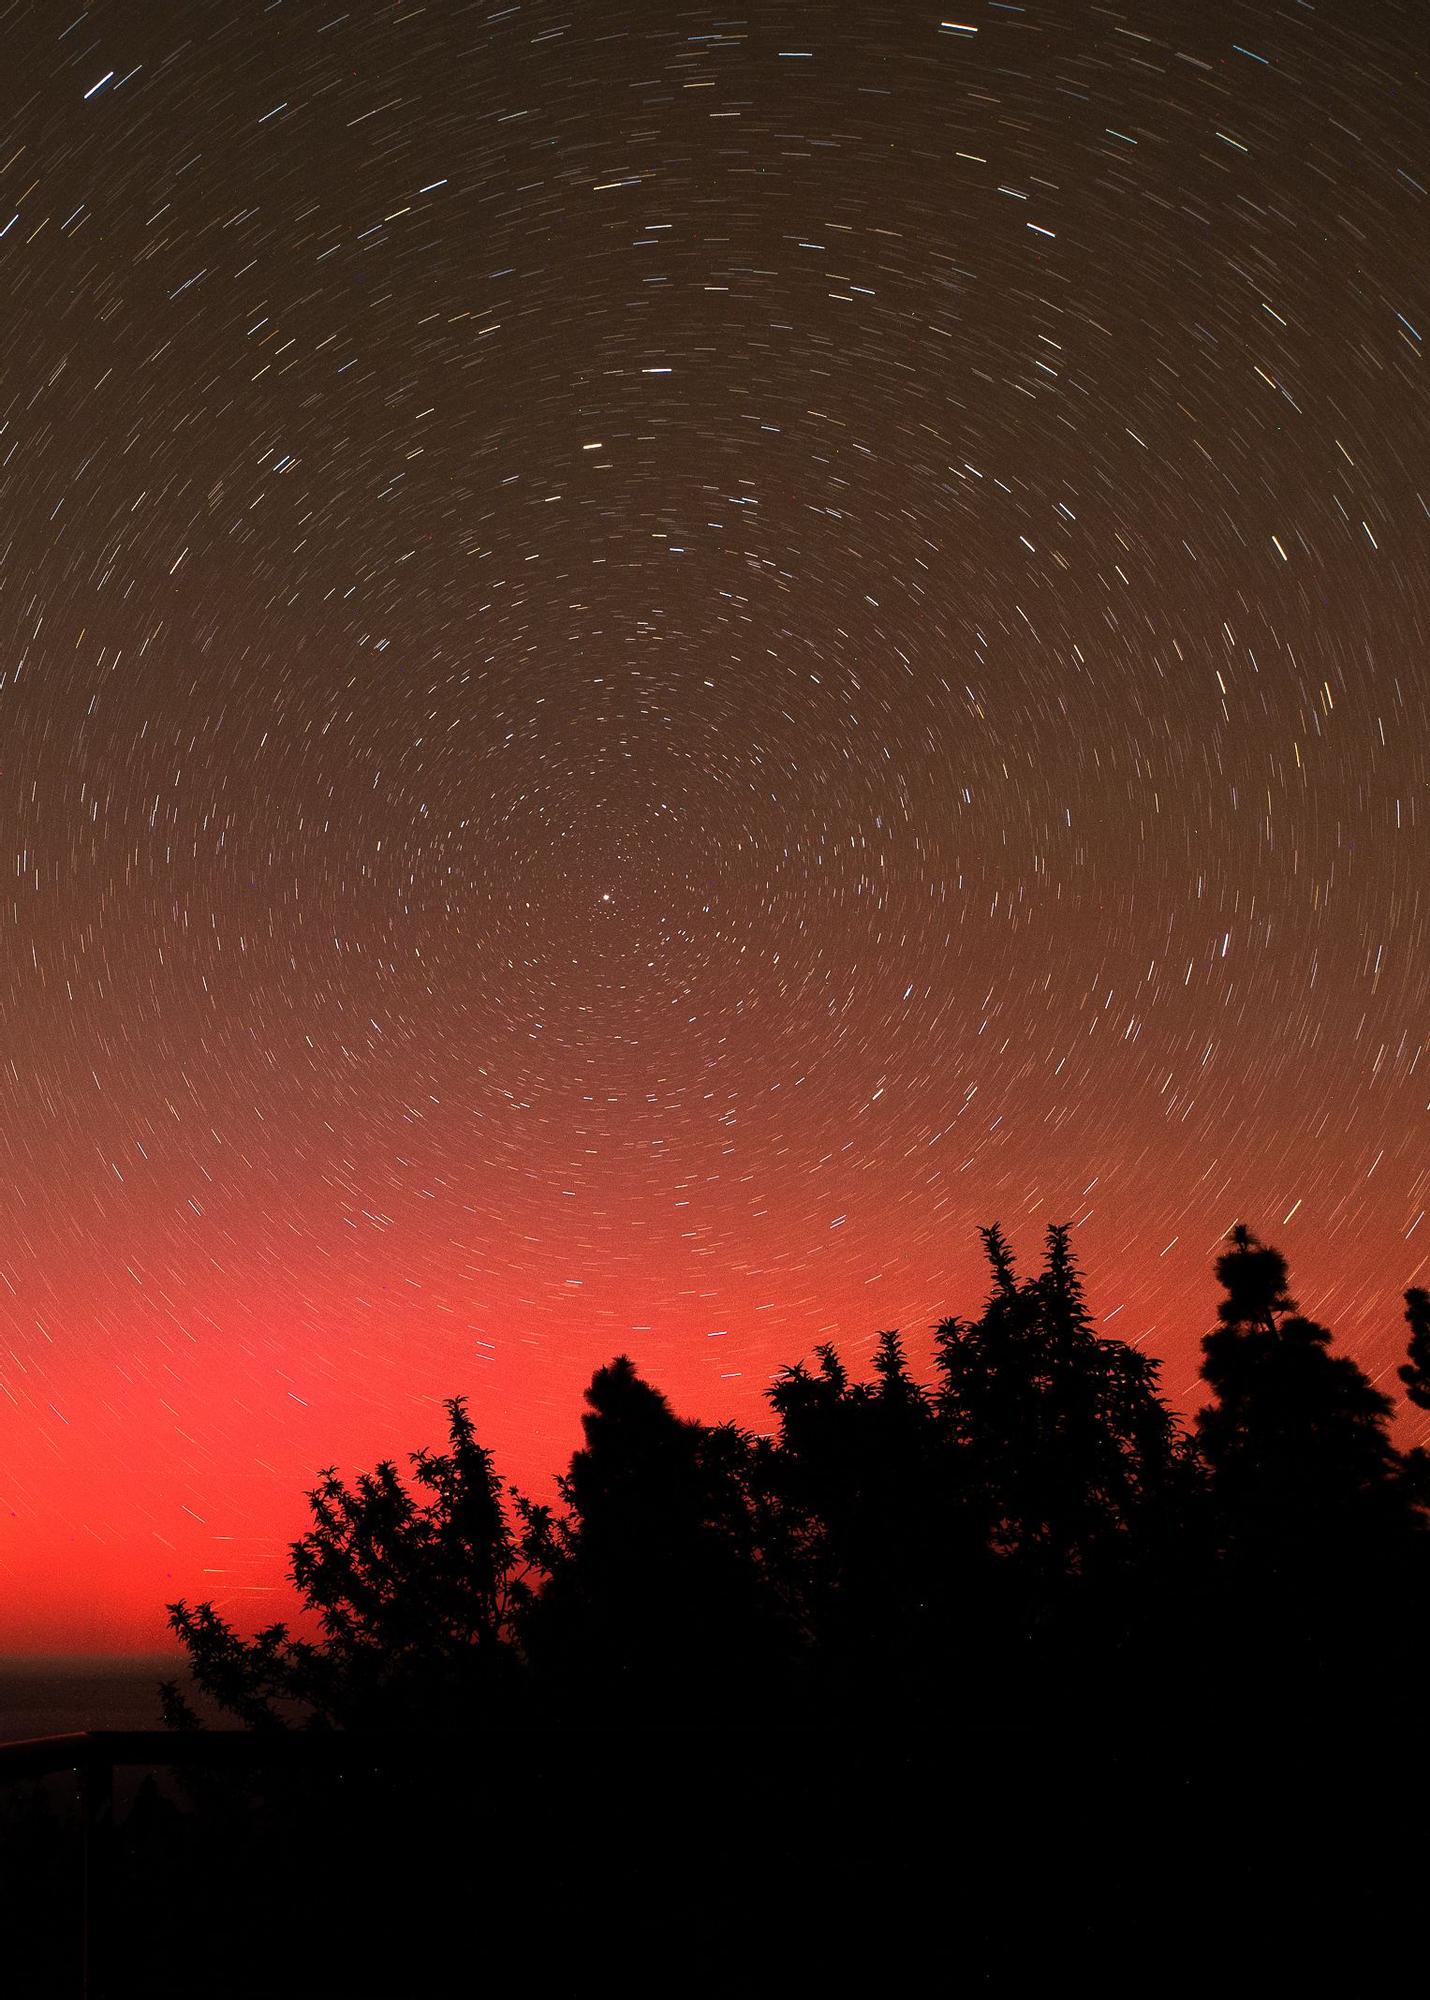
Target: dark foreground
[1259,1854]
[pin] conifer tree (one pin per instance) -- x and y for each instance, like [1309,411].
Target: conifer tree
[1316,1536]
[656,1603]
[1063,1433]
[1415,1373]
[1296,1439]
[865,1550]
[415,1587]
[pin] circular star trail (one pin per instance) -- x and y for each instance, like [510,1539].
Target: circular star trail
[649,662]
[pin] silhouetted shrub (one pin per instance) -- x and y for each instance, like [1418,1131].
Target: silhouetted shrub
[1029,1525]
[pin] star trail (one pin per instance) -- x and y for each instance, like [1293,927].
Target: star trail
[651,661]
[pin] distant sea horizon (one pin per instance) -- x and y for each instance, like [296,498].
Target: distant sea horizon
[55,1694]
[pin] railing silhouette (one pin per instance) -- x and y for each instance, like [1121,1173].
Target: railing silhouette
[1084,1819]
[95,1755]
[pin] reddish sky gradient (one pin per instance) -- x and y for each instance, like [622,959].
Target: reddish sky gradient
[650,663]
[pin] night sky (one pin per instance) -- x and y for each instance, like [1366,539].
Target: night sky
[650,661]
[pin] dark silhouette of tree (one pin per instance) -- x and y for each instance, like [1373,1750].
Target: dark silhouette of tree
[1032,1518]
[864,1543]
[963,1529]
[1072,1465]
[416,1588]
[656,1603]
[1001,1585]
[1415,1374]
[1315,1527]
[1297,1435]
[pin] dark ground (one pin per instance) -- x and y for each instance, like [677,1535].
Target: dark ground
[696,1861]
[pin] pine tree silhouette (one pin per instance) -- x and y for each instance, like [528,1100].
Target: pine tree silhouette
[655,1603]
[1026,1495]
[864,1544]
[1314,1523]
[1296,1439]
[1063,1439]
[1005,1584]
[1415,1377]
[416,1588]
[1415,1373]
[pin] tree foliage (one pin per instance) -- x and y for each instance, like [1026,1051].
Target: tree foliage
[416,1587]
[656,1601]
[1031,1518]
